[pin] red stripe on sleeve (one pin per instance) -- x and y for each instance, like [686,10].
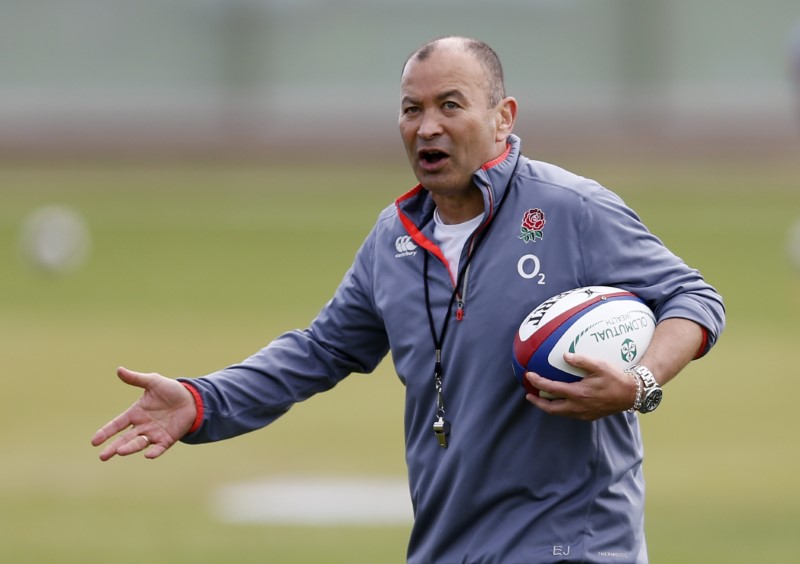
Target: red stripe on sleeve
[198,402]
[702,350]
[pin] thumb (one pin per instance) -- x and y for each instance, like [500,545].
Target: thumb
[579,361]
[133,378]
[589,365]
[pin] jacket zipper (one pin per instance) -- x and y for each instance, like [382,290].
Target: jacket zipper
[461,299]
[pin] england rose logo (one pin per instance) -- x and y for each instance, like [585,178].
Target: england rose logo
[532,225]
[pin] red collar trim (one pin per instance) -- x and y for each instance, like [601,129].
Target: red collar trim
[408,195]
[416,235]
[498,160]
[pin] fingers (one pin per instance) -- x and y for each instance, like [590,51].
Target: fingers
[548,389]
[129,443]
[549,406]
[552,389]
[133,378]
[119,423]
[602,391]
[123,420]
[588,364]
[556,398]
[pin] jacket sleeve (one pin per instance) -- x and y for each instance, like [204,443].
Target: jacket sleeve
[618,250]
[346,336]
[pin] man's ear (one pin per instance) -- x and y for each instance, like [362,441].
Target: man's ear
[506,115]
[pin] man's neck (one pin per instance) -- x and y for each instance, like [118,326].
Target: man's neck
[458,208]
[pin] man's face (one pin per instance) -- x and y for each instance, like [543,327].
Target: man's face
[448,128]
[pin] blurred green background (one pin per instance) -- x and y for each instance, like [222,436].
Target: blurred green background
[230,156]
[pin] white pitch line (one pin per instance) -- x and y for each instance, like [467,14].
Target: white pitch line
[315,501]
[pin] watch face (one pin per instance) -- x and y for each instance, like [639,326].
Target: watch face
[651,401]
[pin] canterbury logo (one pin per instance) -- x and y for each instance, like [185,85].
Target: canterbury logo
[405,246]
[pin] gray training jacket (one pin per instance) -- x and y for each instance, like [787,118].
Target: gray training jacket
[514,484]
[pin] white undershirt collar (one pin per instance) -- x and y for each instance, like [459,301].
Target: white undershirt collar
[452,237]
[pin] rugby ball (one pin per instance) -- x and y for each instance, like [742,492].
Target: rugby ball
[603,322]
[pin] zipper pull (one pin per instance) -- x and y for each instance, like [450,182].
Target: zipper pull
[462,294]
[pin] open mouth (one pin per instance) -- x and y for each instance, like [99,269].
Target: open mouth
[432,157]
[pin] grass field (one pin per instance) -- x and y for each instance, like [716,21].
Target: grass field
[195,267]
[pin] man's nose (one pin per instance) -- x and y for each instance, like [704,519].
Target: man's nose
[430,126]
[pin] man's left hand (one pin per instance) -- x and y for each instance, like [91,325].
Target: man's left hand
[604,391]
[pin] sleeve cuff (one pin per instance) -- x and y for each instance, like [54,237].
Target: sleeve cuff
[703,345]
[198,401]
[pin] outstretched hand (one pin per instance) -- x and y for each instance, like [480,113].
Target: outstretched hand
[603,391]
[158,419]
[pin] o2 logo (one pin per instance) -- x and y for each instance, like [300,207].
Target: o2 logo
[529,267]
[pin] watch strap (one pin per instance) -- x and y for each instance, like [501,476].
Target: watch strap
[651,393]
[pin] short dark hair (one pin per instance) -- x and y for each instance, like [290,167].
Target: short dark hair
[484,54]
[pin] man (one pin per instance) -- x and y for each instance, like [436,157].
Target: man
[438,282]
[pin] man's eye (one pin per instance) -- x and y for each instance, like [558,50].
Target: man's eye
[450,106]
[410,110]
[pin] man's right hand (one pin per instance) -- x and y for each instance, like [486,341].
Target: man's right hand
[165,413]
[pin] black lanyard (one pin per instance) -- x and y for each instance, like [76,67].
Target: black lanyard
[441,427]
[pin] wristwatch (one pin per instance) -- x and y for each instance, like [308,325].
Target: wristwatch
[651,392]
